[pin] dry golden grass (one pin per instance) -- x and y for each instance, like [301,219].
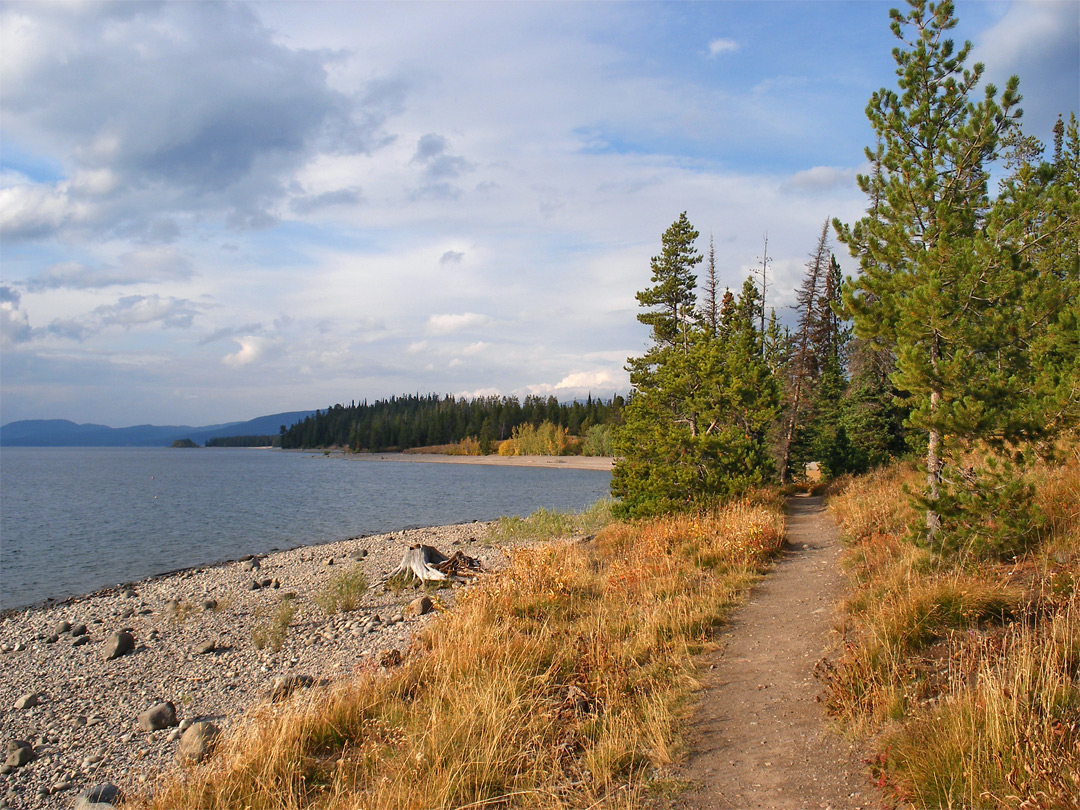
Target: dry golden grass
[560,684]
[971,672]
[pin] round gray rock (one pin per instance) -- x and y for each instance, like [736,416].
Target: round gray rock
[118,644]
[198,741]
[19,753]
[158,716]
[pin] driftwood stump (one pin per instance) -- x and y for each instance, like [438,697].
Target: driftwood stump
[428,564]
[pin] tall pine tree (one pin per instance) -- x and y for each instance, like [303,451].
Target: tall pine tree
[927,287]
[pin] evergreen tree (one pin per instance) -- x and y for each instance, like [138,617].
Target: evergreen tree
[694,427]
[670,301]
[710,312]
[873,413]
[926,287]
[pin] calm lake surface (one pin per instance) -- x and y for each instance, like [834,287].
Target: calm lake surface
[73,520]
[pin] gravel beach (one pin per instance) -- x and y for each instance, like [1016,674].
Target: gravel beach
[193,644]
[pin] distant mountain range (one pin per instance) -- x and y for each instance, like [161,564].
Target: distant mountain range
[62,433]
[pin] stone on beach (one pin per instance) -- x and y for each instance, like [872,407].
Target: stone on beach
[284,685]
[86,733]
[118,644]
[197,741]
[99,797]
[419,607]
[27,701]
[19,753]
[158,716]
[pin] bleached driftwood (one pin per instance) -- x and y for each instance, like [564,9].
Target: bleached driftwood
[428,564]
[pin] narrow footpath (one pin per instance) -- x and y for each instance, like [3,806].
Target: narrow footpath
[759,738]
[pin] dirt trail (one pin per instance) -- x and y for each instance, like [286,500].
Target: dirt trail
[759,739]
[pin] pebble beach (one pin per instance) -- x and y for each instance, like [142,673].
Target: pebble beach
[193,640]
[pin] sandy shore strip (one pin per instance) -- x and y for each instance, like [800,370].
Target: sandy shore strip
[194,646]
[559,462]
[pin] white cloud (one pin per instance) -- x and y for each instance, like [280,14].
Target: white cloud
[129,312]
[1038,40]
[251,348]
[14,323]
[156,264]
[447,324]
[822,178]
[592,380]
[722,45]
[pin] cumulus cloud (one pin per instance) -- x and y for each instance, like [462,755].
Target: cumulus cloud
[592,380]
[128,312]
[440,167]
[451,257]
[251,349]
[156,108]
[30,211]
[722,45]
[447,324]
[14,322]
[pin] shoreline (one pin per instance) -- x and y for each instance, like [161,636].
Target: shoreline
[83,728]
[599,463]
[186,571]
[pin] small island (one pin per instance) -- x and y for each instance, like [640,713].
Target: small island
[183,443]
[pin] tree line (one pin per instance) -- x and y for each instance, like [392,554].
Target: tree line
[401,423]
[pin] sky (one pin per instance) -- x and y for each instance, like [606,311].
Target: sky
[211,212]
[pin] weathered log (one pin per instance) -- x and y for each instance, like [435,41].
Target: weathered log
[428,564]
[420,562]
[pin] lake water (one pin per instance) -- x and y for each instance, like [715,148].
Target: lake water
[73,520]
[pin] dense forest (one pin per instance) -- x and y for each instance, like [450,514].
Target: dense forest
[405,422]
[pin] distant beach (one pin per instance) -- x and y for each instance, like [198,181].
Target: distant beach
[564,462]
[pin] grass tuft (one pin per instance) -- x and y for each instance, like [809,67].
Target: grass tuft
[551,524]
[273,625]
[342,592]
